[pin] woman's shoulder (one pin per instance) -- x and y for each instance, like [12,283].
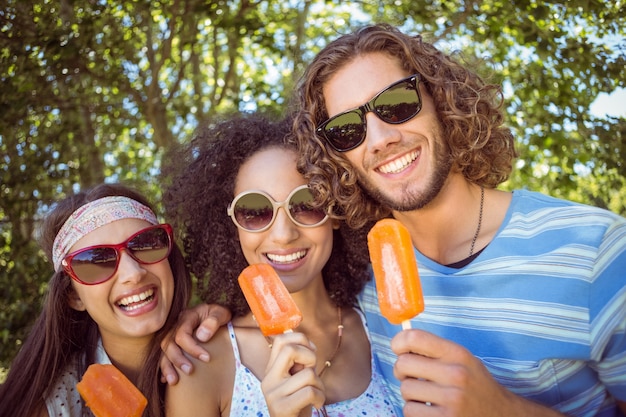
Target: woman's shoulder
[220,352]
[208,389]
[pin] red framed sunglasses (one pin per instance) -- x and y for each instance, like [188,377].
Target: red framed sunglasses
[96,264]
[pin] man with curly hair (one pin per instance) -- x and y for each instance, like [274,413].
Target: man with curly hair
[525,294]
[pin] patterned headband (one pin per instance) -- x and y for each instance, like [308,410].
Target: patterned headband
[93,215]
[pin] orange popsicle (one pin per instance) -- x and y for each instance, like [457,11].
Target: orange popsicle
[268,298]
[108,393]
[395,269]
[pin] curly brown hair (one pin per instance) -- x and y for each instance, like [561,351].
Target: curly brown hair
[202,176]
[469,111]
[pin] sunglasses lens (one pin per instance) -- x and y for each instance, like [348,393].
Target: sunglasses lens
[97,264]
[94,265]
[253,211]
[150,246]
[345,131]
[398,104]
[301,209]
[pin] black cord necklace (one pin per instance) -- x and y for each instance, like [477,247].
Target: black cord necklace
[480,220]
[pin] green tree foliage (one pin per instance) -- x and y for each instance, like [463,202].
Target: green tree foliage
[97,91]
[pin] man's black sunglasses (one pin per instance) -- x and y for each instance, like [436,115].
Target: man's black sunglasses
[396,104]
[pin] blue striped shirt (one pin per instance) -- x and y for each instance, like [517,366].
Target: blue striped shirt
[543,306]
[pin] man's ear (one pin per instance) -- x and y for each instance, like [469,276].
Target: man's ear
[74,301]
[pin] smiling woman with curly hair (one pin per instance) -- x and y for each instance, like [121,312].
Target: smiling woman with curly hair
[242,168]
[202,177]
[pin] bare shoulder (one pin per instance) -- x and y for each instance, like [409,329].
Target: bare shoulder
[208,389]
[253,346]
[220,350]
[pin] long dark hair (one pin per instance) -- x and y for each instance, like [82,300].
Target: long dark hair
[202,181]
[62,334]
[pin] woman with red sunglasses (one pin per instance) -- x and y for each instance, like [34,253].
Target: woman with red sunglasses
[119,285]
[243,169]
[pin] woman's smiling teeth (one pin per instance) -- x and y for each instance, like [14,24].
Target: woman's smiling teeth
[285,259]
[399,164]
[136,301]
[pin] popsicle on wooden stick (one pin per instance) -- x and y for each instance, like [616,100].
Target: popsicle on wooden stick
[395,270]
[108,393]
[268,298]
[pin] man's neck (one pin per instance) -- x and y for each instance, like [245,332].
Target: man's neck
[444,229]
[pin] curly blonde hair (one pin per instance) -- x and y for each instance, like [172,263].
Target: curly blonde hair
[468,109]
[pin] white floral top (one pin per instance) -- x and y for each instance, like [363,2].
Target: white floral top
[64,400]
[248,399]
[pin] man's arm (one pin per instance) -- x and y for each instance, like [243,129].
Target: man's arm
[205,319]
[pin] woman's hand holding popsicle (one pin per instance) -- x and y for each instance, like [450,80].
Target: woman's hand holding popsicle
[291,385]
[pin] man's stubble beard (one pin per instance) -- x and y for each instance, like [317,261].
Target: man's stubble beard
[414,200]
